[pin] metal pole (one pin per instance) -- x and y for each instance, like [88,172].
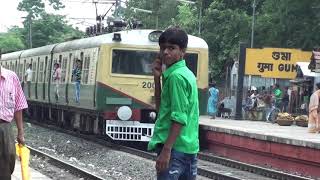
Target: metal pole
[253,21]
[252,33]
[241,67]
[200,17]
[30,32]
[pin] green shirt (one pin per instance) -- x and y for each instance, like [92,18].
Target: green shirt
[179,103]
[278,94]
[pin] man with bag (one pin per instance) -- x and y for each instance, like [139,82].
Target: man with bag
[12,102]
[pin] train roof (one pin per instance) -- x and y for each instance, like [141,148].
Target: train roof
[11,56]
[128,37]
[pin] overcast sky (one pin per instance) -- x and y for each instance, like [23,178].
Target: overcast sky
[10,16]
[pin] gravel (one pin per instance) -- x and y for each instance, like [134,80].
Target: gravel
[103,161]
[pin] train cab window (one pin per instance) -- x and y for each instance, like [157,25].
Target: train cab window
[140,62]
[132,62]
[192,62]
[85,69]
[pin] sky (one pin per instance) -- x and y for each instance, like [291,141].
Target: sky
[10,16]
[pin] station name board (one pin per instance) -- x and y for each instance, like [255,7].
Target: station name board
[274,62]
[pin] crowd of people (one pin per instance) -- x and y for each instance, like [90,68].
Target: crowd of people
[267,101]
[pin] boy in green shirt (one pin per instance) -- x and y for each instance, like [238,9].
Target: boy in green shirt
[175,136]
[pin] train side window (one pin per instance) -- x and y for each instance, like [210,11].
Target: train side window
[41,71]
[34,71]
[85,69]
[81,56]
[45,79]
[63,66]
[21,72]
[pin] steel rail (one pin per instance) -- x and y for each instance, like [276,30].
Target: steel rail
[64,165]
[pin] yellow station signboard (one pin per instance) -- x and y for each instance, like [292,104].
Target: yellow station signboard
[274,62]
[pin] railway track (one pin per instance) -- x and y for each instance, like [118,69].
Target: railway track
[64,165]
[206,165]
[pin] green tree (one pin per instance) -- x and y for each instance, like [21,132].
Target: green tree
[51,29]
[46,28]
[224,27]
[12,40]
[289,24]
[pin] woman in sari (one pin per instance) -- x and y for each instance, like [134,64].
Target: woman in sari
[314,109]
[213,100]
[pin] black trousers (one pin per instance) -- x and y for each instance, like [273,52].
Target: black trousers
[7,151]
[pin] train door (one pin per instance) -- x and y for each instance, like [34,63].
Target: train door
[41,77]
[71,87]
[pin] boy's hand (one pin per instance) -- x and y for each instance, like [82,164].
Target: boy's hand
[157,67]
[163,160]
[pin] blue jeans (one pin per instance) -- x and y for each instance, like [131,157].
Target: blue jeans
[77,85]
[182,166]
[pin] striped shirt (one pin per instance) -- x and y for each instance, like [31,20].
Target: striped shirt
[12,98]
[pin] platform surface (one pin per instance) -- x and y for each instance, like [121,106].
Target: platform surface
[34,175]
[292,135]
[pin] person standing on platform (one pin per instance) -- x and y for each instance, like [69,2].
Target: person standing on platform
[277,95]
[213,100]
[28,78]
[57,79]
[285,100]
[12,102]
[76,73]
[314,109]
[175,137]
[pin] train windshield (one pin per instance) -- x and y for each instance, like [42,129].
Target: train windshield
[140,62]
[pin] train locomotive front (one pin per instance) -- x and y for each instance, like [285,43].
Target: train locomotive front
[125,84]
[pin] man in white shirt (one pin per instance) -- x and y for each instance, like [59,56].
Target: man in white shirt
[28,78]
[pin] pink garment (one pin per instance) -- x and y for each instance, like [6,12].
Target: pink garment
[12,98]
[57,75]
[314,109]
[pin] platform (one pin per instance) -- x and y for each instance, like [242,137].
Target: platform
[287,148]
[34,175]
[293,135]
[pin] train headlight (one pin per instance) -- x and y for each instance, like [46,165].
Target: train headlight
[152,115]
[116,37]
[124,113]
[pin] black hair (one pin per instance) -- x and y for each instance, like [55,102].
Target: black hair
[174,35]
[318,85]
[213,84]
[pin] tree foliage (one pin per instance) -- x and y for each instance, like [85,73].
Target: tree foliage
[12,40]
[51,29]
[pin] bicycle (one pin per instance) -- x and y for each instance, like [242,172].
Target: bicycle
[273,114]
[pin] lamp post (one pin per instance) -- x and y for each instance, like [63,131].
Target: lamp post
[253,21]
[252,32]
[200,12]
